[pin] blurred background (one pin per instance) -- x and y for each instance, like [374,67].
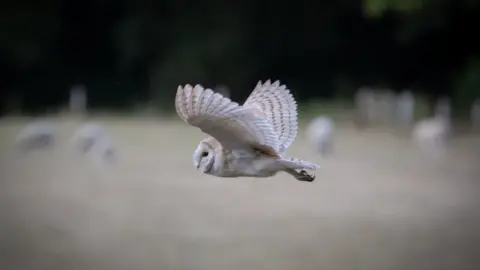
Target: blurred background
[129,53]
[96,169]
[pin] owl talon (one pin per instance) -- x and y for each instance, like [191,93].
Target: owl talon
[304,176]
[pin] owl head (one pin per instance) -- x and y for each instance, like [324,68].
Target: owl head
[204,157]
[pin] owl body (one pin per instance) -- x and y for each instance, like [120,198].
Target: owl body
[249,166]
[223,162]
[246,140]
[254,165]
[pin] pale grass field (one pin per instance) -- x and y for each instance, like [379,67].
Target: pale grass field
[376,204]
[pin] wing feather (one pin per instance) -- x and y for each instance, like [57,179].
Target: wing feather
[234,126]
[279,108]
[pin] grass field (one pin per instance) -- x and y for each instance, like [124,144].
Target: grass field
[377,203]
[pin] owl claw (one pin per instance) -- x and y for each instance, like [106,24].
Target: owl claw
[304,176]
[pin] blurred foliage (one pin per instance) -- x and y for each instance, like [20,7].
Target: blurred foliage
[337,110]
[466,87]
[28,31]
[378,7]
[137,52]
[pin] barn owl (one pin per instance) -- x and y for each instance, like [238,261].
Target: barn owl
[246,140]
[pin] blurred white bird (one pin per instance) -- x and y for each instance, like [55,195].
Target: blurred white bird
[78,100]
[365,105]
[385,106]
[36,135]
[320,133]
[87,136]
[92,140]
[103,151]
[443,109]
[431,134]
[405,104]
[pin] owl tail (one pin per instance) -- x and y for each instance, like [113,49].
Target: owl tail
[295,163]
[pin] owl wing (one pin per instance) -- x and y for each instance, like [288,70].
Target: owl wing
[278,106]
[232,125]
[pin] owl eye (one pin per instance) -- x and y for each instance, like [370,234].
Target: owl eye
[204,154]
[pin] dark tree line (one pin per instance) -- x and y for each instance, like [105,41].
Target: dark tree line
[133,51]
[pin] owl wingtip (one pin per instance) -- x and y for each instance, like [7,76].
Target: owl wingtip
[313,166]
[198,86]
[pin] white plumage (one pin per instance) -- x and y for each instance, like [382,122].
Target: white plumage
[278,107]
[405,108]
[320,134]
[246,140]
[36,135]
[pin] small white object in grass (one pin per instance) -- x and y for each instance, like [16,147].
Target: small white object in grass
[385,110]
[36,135]
[87,136]
[78,99]
[431,134]
[320,133]
[443,108]
[405,108]
[104,151]
[364,106]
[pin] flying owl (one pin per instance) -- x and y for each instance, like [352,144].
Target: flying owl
[246,140]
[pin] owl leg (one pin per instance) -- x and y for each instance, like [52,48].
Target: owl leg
[301,175]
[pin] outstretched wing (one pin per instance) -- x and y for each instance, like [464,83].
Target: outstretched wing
[231,124]
[278,106]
